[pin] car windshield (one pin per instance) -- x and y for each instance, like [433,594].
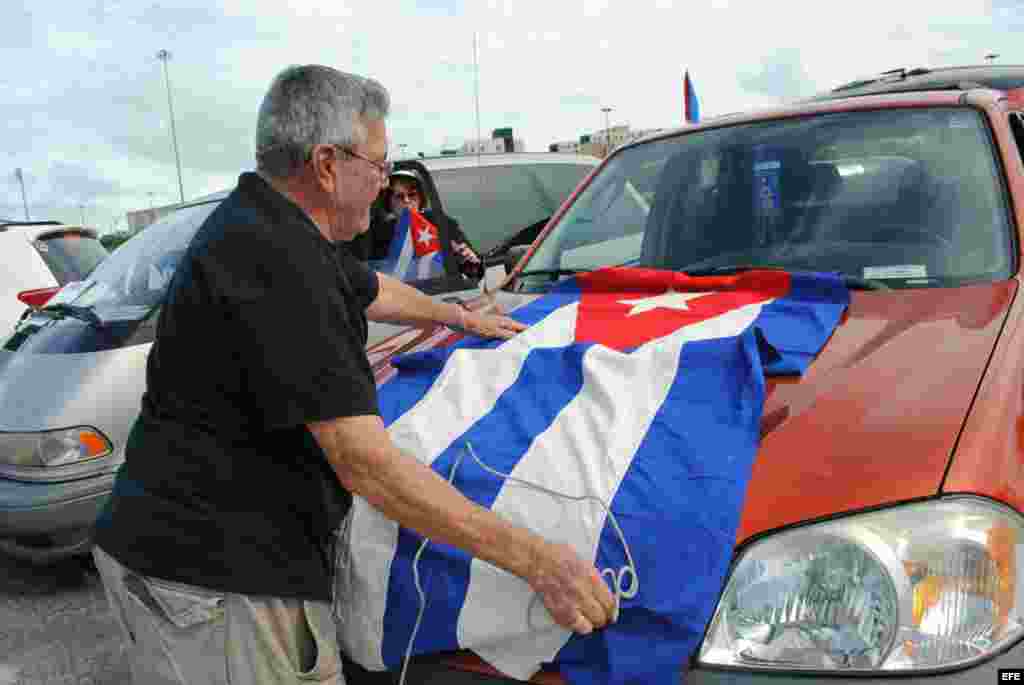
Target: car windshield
[134,278]
[908,197]
[492,203]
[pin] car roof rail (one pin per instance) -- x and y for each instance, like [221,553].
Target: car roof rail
[5,224]
[891,75]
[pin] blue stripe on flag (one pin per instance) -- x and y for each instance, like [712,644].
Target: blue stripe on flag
[389,264]
[676,486]
[549,380]
[692,106]
[500,438]
[797,331]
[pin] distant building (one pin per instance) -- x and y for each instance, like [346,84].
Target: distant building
[501,140]
[492,145]
[483,146]
[612,137]
[141,218]
[599,143]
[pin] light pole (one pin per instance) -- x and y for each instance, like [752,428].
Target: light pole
[476,95]
[81,209]
[24,200]
[607,131]
[164,56]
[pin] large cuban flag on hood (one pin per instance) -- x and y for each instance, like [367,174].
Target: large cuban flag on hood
[641,387]
[415,250]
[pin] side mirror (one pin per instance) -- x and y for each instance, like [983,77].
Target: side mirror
[513,255]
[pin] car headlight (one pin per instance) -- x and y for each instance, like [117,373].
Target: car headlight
[919,586]
[48,449]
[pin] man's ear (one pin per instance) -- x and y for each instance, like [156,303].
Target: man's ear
[323,159]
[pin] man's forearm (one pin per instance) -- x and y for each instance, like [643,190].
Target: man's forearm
[400,303]
[405,490]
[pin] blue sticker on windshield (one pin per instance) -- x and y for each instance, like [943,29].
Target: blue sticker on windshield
[767,167]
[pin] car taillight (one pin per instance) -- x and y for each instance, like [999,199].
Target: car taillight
[37,297]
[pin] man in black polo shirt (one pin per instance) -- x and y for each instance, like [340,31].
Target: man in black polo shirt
[260,417]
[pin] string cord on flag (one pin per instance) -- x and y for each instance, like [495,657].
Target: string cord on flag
[617,580]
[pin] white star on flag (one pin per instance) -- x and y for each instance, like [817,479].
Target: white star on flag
[425,236]
[670,299]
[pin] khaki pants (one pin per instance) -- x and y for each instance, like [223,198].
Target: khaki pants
[188,635]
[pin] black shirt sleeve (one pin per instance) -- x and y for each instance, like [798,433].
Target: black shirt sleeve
[363,279]
[296,328]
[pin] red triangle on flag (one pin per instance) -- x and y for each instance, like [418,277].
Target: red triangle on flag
[624,307]
[426,239]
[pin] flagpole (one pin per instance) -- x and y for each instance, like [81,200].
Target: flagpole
[686,97]
[476,88]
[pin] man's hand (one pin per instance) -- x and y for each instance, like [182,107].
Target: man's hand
[489,325]
[572,590]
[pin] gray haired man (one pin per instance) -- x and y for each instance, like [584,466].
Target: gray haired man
[260,418]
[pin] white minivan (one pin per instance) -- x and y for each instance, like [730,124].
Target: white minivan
[37,259]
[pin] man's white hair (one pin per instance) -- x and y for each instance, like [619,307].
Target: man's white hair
[314,105]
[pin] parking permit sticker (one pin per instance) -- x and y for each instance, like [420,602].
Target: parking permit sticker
[896,271]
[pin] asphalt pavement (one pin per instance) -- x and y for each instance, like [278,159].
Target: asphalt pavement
[56,627]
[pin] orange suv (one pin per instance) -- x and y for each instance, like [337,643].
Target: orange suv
[881,533]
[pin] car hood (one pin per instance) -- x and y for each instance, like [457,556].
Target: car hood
[52,391]
[875,418]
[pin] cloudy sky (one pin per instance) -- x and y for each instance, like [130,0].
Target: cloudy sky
[84,104]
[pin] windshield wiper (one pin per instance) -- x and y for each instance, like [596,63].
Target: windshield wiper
[731,269]
[74,311]
[858,283]
[851,282]
[553,272]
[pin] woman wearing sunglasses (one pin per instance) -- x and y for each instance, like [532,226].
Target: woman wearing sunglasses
[405,191]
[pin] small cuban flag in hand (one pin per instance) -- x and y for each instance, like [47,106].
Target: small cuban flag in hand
[415,252]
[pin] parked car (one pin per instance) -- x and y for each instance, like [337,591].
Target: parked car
[72,375]
[501,199]
[38,259]
[882,528]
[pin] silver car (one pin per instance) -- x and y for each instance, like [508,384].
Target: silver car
[72,374]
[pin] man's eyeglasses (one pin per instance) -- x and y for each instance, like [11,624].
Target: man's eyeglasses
[385,168]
